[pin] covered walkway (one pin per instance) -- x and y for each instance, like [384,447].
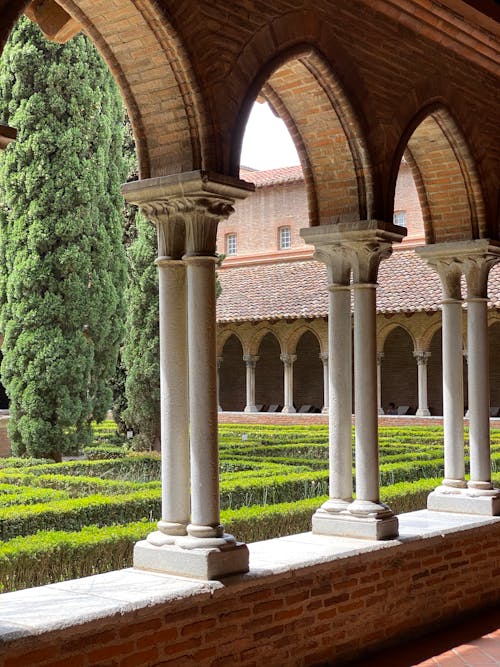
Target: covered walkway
[473,642]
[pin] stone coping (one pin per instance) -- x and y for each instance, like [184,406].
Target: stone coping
[33,612]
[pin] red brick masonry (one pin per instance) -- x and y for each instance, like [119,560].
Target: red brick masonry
[318,613]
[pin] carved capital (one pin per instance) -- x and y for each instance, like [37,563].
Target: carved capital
[473,259]
[251,360]
[288,359]
[365,259]
[186,209]
[324,357]
[219,362]
[356,248]
[380,357]
[421,357]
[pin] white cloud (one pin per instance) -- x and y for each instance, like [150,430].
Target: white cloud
[267,143]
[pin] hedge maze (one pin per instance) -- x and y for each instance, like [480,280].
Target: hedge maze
[71,519]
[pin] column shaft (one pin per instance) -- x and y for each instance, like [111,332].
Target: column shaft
[205,514]
[340,396]
[479,393]
[173,397]
[423,408]
[380,409]
[453,394]
[365,393]
[250,361]
[326,389]
[288,360]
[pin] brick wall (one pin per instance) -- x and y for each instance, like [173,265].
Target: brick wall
[257,219]
[314,614]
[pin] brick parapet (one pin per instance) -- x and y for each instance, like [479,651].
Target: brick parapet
[328,610]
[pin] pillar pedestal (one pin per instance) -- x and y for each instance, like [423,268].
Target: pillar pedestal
[192,203]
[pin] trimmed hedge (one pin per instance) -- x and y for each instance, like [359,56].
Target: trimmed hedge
[57,555]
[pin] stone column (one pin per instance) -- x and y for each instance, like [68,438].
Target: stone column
[357,247]
[195,202]
[422,359]
[380,409]
[451,260]
[250,361]
[288,361]
[219,364]
[324,359]
[485,498]
[174,403]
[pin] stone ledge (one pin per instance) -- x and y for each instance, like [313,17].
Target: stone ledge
[34,612]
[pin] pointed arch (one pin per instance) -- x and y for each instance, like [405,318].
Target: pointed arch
[303,90]
[154,74]
[445,174]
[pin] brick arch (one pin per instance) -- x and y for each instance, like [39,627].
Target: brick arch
[156,80]
[384,332]
[445,174]
[255,341]
[225,334]
[295,336]
[302,88]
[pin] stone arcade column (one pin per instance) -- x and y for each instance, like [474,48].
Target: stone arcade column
[380,357]
[288,361]
[220,361]
[324,359]
[250,361]
[357,248]
[422,358]
[486,499]
[450,260]
[193,202]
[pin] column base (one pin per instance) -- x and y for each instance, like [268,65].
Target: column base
[380,411]
[345,524]
[201,563]
[289,410]
[324,410]
[465,501]
[424,412]
[250,408]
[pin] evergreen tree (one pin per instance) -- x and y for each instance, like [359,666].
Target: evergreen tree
[63,267]
[141,350]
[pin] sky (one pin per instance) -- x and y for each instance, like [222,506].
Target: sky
[266,143]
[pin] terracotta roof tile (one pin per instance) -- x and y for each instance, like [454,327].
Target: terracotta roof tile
[269,177]
[291,290]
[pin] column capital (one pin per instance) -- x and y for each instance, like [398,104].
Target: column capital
[451,260]
[380,356]
[220,361]
[356,247]
[422,357]
[186,208]
[288,359]
[251,359]
[324,357]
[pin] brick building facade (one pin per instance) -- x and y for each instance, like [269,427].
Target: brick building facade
[273,303]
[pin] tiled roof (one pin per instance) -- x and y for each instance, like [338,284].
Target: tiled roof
[269,177]
[291,290]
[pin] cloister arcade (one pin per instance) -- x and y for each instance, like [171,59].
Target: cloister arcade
[359,85]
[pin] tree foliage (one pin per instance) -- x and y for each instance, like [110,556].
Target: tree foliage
[63,265]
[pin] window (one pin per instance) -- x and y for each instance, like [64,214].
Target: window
[285,238]
[400,218]
[231,244]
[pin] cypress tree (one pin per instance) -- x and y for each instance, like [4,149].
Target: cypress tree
[63,266]
[141,350]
